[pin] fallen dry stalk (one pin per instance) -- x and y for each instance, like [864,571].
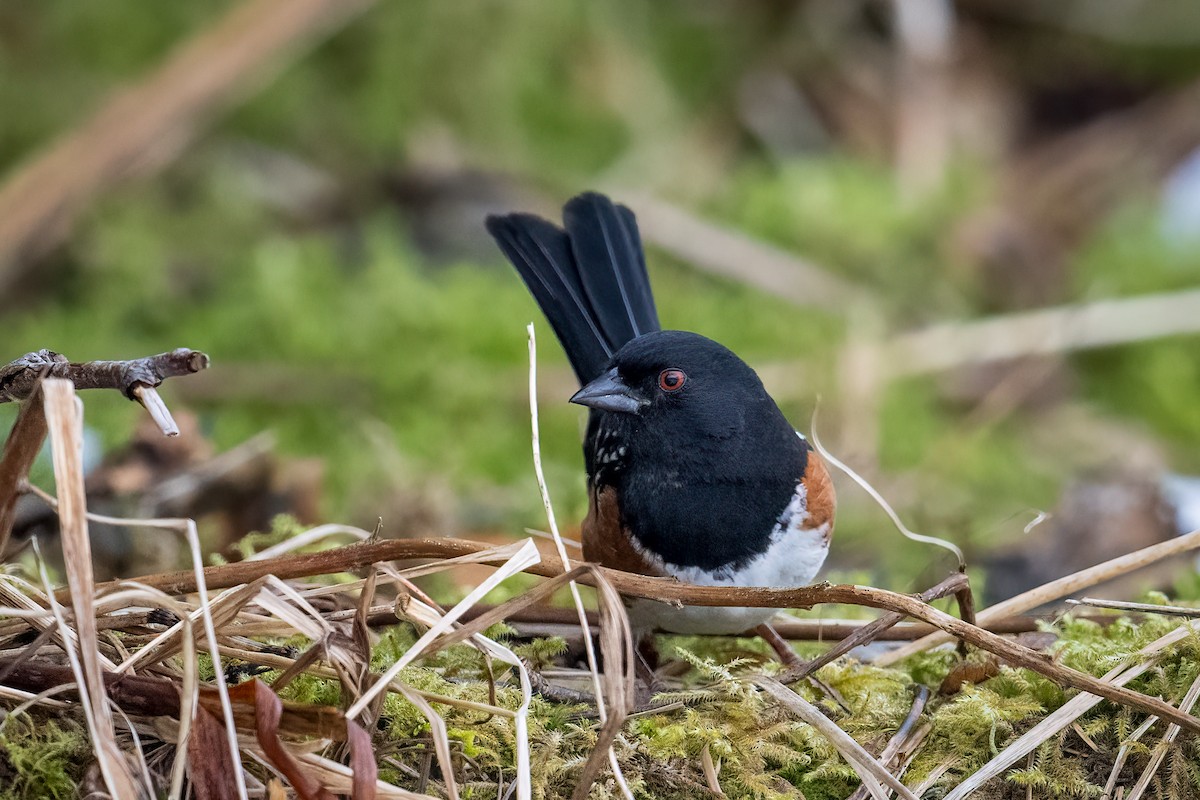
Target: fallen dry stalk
[1058,589]
[359,556]
[733,254]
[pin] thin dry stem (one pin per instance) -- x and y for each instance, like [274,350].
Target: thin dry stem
[580,609]
[1046,331]
[874,494]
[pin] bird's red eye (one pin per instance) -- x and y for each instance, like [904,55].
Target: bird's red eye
[671,380]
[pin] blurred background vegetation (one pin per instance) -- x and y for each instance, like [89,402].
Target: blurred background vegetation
[316,227]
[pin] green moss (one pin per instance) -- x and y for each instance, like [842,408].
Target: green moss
[42,758]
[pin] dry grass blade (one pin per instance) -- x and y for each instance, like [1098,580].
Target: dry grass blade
[525,555]
[873,774]
[711,771]
[223,609]
[440,737]
[1057,589]
[189,690]
[901,740]
[268,710]
[64,419]
[1123,755]
[20,449]
[198,584]
[1066,714]
[309,537]
[32,601]
[362,762]
[209,764]
[616,645]
[342,780]
[534,596]
[609,728]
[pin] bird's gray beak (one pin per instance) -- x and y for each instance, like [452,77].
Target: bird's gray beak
[609,393]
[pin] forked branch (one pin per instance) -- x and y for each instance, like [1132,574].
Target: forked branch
[18,379]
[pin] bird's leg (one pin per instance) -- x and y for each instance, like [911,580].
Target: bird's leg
[795,663]
[646,661]
[780,645]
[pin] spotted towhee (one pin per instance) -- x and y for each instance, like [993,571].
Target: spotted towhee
[693,471]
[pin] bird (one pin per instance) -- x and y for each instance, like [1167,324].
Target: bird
[693,471]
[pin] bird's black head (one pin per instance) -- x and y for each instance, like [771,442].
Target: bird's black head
[681,379]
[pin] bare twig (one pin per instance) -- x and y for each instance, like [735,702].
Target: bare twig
[19,378]
[146,125]
[1146,608]
[555,621]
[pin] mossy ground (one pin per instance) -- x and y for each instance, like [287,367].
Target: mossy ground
[761,750]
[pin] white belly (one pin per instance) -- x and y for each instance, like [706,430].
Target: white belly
[793,558]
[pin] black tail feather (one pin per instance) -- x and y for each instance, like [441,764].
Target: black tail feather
[608,252]
[589,280]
